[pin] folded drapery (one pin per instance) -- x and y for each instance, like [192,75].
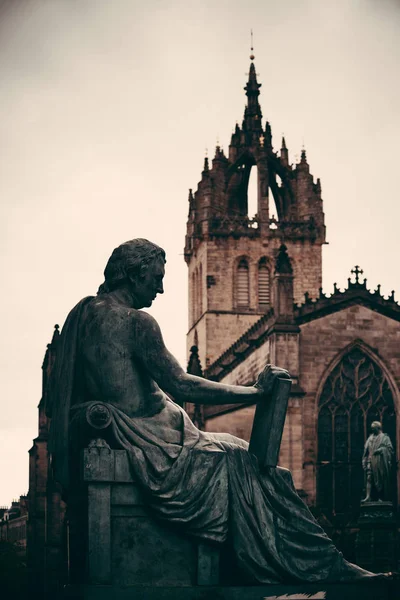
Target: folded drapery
[211,487]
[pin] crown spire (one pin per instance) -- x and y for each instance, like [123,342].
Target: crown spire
[252,114]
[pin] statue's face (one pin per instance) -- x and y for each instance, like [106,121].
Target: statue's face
[150,283]
[375,428]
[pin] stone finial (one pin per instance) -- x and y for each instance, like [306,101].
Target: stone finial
[219,152]
[56,334]
[283,264]
[191,201]
[194,365]
[284,152]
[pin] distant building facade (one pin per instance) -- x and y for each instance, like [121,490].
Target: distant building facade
[255,297]
[13,524]
[46,525]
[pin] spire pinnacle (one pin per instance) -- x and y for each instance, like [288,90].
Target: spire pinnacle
[252,115]
[283,263]
[194,364]
[56,334]
[284,152]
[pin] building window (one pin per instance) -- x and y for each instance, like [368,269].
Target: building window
[264,297]
[193,298]
[355,394]
[242,284]
[200,291]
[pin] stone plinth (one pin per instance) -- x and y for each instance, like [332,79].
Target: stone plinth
[376,543]
[125,545]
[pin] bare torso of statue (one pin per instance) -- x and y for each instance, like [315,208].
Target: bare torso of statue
[112,369]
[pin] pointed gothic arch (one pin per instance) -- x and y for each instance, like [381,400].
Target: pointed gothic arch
[356,390]
[281,197]
[237,189]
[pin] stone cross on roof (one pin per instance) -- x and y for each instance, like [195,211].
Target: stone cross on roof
[357,271]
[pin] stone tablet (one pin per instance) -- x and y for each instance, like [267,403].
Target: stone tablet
[266,435]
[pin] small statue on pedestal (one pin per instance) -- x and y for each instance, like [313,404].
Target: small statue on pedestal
[377,463]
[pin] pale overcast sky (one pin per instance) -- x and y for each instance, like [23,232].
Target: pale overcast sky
[106,109]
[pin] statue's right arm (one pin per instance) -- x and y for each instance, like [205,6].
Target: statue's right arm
[150,350]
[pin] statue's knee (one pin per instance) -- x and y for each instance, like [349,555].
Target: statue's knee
[285,474]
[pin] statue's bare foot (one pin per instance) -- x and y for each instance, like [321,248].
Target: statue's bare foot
[366,499]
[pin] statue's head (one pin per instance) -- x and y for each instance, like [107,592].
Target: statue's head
[137,265]
[376,427]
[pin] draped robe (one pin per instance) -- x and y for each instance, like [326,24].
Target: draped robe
[207,484]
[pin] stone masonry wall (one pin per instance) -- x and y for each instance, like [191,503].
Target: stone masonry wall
[246,372]
[219,259]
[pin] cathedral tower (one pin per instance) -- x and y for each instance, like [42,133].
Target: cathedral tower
[230,253]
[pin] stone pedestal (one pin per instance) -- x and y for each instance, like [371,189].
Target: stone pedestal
[125,546]
[376,543]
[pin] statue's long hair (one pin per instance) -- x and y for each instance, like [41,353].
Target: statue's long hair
[129,257]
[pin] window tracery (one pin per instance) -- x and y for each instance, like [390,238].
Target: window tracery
[355,394]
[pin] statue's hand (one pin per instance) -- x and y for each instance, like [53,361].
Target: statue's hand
[267,377]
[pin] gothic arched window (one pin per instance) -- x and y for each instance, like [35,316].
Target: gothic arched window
[355,394]
[263,284]
[242,284]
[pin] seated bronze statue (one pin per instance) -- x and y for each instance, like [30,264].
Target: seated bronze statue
[207,484]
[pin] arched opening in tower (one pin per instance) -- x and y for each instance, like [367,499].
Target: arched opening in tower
[274,200]
[252,193]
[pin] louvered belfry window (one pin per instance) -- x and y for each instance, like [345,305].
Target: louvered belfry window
[355,394]
[242,284]
[263,284]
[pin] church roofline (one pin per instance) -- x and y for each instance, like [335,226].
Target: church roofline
[356,293]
